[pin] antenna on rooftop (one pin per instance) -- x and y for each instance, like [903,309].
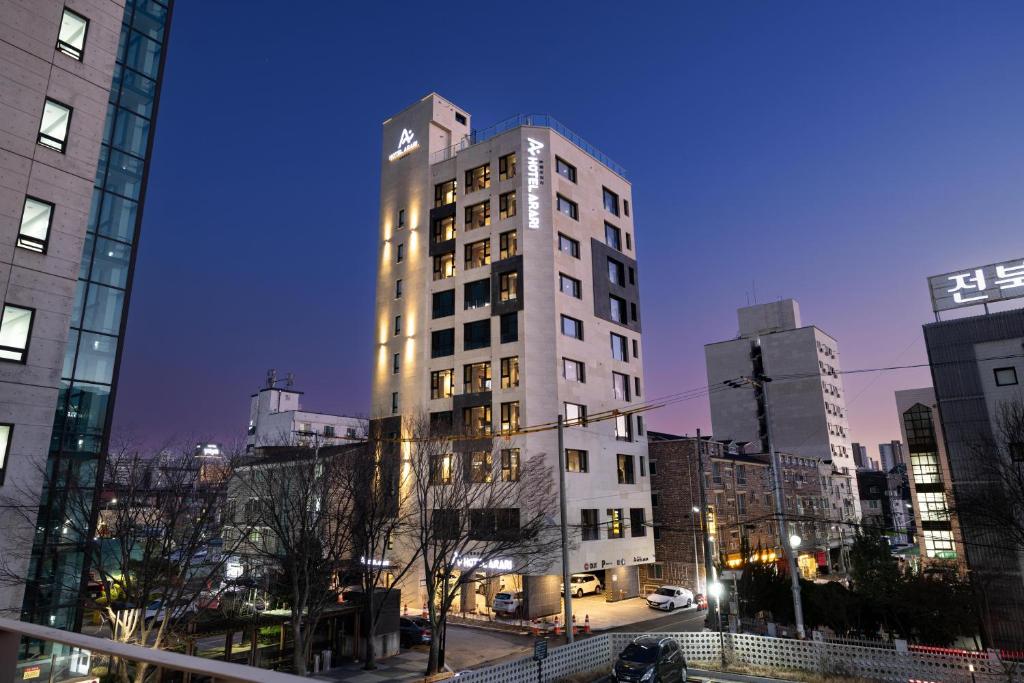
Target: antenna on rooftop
[289,380]
[271,378]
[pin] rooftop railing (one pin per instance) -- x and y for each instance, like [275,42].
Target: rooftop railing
[539,120]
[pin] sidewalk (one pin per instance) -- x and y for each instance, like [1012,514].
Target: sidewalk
[407,666]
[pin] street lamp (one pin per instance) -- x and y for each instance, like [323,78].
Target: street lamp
[715,590]
[794,541]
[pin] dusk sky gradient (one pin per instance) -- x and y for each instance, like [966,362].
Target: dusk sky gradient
[836,153]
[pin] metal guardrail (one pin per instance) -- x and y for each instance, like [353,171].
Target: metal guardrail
[11,633]
[539,120]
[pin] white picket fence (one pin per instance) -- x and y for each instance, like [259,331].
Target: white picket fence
[704,650]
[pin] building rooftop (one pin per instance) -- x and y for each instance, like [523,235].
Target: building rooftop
[540,120]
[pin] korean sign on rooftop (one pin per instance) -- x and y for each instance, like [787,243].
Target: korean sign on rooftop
[976,286]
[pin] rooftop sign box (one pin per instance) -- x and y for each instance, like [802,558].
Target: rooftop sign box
[977,286]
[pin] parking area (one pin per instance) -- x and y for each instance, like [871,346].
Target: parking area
[610,615]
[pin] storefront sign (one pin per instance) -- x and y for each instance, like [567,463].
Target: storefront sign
[374,562]
[30,672]
[534,181]
[981,285]
[407,143]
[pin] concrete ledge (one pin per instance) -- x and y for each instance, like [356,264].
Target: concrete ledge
[714,676]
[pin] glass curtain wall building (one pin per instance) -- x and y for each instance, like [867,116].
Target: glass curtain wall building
[81,428]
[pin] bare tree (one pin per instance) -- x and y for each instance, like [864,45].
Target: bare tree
[155,546]
[477,506]
[294,516]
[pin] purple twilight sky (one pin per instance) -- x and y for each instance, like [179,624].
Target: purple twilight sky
[836,153]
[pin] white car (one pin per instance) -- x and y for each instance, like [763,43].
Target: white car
[583,584]
[670,597]
[508,603]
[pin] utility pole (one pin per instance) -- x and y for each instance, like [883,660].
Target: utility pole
[566,584]
[709,575]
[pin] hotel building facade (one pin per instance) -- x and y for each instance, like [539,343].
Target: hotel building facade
[507,294]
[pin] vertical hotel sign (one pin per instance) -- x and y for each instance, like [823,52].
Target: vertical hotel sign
[980,285]
[534,182]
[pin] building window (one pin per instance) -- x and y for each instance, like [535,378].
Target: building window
[444,193]
[611,201]
[509,327]
[394,402]
[478,178]
[655,498]
[614,522]
[653,466]
[507,166]
[636,349]
[510,417]
[568,245]
[398,325]
[477,334]
[939,543]
[575,415]
[477,294]
[53,128]
[617,309]
[444,265]
[71,38]
[443,304]
[442,343]
[925,468]
[401,218]
[510,372]
[565,169]
[441,422]
[571,327]
[574,370]
[933,506]
[6,430]
[616,273]
[570,286]
[741,475]
[460,118]
[741,503]
[632,308]
[445,523]
[400,252]
[508,286]
[623,428]
[396,363]
[568,207]
[636,387]
[576,460]
[441,469]
[443,230]
[442,383]
[620,386]
[1005,376]
[476,377]
[507,205]
[476,420]
[508,244]
[478,215]
[590,525]
[481,467]
[398,289]
[637,522]
[510,464]
[619,348]
[625,469]
[612,237]
[36,220]
[716,472]
[642,472]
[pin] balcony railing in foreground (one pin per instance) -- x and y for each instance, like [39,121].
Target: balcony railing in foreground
[87,658]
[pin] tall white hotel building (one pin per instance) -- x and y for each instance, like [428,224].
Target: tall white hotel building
[508,293]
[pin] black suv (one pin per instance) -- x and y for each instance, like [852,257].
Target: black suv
[651,659]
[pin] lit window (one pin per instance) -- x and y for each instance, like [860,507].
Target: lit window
[571,327]
[15,328]
[575,415]
[565,169]
[569,285]
[576,460]
[444,193]
[612,237]
[476,377]
[36,219]
[510,372]
[507,205]
[933,506]
[508,244]
[476,420]
[510,464]
[508,284]
[568,245]
[481,468]
[573,370]
[925,468]
[623,428]
[611,201]
[625,468]
[71,39]
[510,416]
[442,384]
[478,178]
[614,522]
[507,166]
[444,265]
[441,469]
[478,215]
[568,207]
[1005,376]
[478,254]
[53,129]
[444,229]
[939,543]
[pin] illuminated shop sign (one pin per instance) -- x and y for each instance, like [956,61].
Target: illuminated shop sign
[374,562]
[499,564]
[407,143]
[980,285]
[534,180]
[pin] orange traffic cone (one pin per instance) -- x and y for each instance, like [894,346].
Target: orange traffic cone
[534,627]
[424,614]
[586,624]
[558,630]
[575,629]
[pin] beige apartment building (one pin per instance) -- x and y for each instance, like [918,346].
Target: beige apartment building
[507,294]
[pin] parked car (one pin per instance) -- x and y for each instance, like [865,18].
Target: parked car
[159,610]
[652,659]
[583,584]
[509,604]
[413,631]
[670,597]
